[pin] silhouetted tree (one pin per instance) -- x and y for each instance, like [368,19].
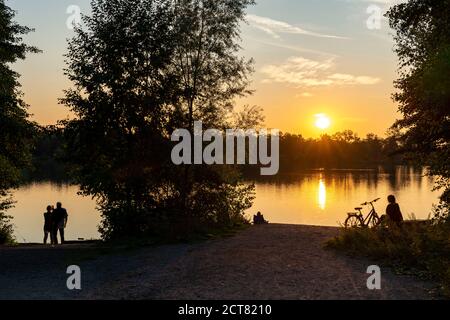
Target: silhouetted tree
[423,46]
[141,69]
[16,130]
[120,65]
[251,117]
[212,76]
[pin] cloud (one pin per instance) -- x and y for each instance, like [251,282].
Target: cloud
[274,28]
[304,95]
[387,2]
[306,73]
[297,49]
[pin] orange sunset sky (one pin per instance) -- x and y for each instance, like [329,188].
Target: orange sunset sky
[311,57]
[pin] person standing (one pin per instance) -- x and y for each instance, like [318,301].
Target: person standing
[48,224]
[60,218]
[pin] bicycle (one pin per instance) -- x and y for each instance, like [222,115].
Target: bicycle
[356,219]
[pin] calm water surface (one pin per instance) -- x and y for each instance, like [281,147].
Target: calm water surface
[312,198]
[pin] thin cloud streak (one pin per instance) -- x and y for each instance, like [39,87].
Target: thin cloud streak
[274,28]
[295,48]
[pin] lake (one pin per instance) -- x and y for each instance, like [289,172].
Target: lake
[315,197]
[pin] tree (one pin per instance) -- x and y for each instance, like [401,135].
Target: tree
[212,76]
[16,130]
[423,46]
[206,58]
[141,69]
[120,67]
[249,118]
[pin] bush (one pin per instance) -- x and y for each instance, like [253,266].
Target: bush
[210,210]
[418,248]
[6,230]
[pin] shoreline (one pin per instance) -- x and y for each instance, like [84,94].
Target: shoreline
[92,242]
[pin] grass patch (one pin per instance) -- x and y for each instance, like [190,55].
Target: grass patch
[416,248]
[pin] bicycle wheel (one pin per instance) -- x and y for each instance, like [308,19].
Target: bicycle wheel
[375,221]
[353,222]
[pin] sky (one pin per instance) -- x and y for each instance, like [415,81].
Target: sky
[332,57]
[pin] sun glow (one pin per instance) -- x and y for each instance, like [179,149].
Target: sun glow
[323,122]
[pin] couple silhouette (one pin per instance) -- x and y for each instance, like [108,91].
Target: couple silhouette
[55,220]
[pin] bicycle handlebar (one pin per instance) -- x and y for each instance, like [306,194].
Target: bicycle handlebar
[371,202]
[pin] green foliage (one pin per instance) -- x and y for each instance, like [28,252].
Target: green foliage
[423,47]
[16,131]
[141,69]
[418,248]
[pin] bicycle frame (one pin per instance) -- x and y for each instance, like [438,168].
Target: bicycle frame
[372,214]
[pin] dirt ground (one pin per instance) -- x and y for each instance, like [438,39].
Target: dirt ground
[263,262]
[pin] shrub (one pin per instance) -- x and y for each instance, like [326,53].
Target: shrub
[418,248]
[6,230]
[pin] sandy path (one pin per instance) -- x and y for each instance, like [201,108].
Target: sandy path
[267,262]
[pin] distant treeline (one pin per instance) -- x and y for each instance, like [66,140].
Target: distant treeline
[343,150]
[48,157]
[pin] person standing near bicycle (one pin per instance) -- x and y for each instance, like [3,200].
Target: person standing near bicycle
[393,211]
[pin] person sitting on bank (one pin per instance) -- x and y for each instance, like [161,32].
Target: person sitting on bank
[393,211]
[259,219]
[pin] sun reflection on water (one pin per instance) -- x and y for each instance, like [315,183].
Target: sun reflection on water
[322,195]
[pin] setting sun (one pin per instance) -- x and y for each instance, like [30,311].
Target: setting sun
[322,121]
